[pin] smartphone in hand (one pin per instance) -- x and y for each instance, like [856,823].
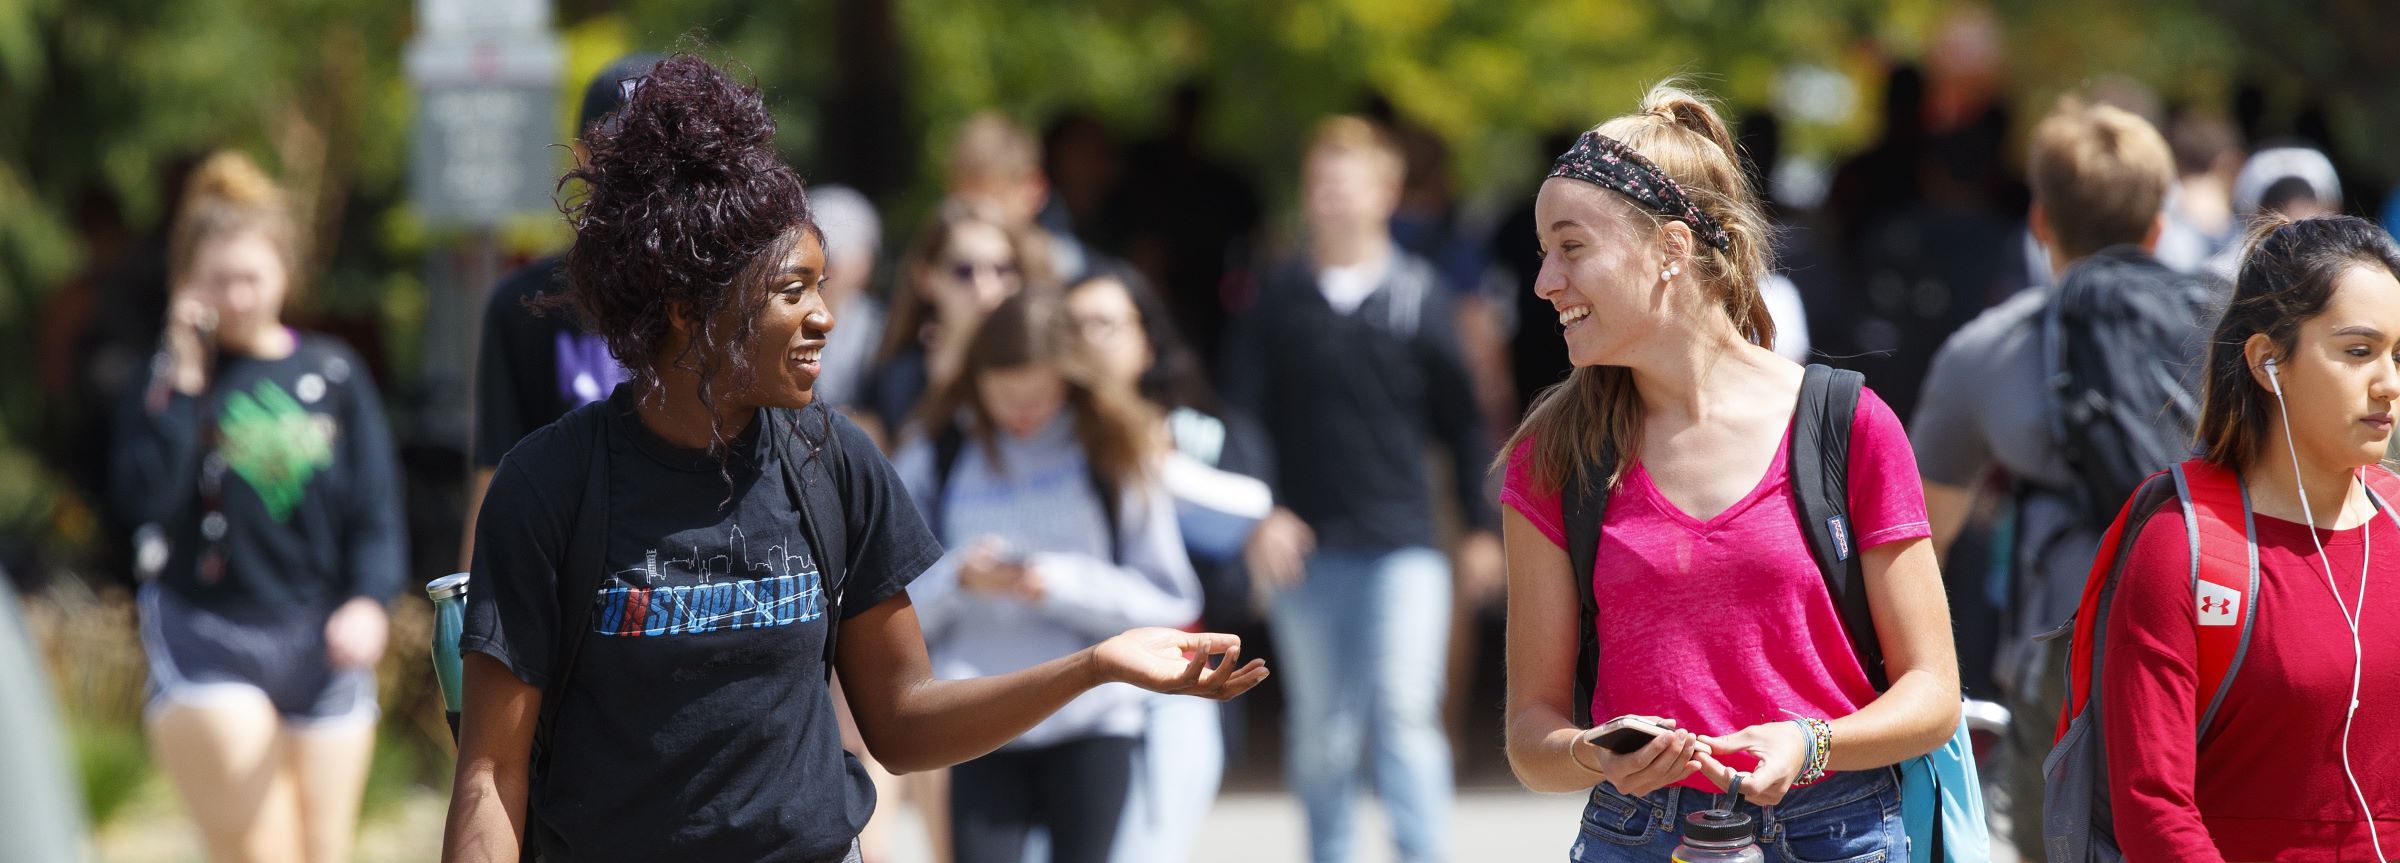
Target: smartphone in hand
[1626,734]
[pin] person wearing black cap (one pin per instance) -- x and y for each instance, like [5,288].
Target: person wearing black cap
[532,368]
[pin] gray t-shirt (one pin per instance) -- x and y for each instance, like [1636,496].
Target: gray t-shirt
[1985,405]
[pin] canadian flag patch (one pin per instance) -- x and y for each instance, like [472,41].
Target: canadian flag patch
[2219,605]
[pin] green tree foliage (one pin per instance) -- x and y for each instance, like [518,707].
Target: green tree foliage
[99,98]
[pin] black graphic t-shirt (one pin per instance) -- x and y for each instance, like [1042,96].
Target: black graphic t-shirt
[697,724]
[276,488]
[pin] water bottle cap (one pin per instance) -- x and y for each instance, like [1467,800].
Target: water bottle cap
[454,584]
[1719,826]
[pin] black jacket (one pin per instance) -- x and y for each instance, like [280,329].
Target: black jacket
[1351,401]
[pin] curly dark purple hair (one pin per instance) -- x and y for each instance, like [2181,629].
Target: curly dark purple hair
[685,207]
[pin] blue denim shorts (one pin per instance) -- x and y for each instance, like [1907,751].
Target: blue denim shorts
[1847,818]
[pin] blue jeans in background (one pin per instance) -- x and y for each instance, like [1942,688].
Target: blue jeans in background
[1175,778]
[1362,644]
[1848,818]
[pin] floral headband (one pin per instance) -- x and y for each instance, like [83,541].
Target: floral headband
[1606,162]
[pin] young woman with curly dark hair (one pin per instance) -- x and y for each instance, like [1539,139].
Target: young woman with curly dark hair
[691,714]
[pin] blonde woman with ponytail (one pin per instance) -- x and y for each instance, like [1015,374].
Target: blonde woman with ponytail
[258,462]
[1713,620]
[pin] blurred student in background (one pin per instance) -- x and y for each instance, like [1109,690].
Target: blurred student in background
[853,240]
[1351,360]
[534,366]
[258,457]
[961,269]
[1230,528]
[1042,480]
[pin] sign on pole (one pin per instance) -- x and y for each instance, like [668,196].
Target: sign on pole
[486,77]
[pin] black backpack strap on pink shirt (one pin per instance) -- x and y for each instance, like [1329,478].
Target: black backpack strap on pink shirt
[1820,474]
[1585,505]
[1820,477]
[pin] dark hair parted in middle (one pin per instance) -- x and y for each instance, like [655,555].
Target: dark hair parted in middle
[2288,275]
[685,208]
[1177,377]
[1119,431]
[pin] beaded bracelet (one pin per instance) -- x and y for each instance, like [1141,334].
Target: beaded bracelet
[1820,748]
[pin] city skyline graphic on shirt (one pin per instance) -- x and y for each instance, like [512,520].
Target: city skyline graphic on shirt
[727,592]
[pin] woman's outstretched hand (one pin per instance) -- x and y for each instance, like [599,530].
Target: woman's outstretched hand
[1177,662]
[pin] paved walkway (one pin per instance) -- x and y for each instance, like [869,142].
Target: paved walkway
[1245,827]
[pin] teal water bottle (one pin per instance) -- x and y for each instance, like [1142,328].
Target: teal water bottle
[449,595]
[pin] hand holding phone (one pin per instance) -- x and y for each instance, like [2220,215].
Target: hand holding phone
[994,567]
[190,342]
[1640,754]
[1626,735]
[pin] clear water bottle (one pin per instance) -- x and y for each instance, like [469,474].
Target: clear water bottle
[449,595]
[1719,836]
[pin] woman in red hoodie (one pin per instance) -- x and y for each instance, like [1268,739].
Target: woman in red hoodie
[2298,399]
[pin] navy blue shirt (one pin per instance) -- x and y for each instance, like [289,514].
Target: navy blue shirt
[278,486]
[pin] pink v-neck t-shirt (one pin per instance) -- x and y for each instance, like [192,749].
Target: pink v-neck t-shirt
[1725,623]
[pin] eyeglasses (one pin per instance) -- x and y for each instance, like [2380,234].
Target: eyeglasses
[965,270]
[1096,328]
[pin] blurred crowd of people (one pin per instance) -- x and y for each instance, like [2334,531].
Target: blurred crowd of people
[1074,302]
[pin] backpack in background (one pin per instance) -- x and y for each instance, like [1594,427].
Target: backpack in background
[2118,339]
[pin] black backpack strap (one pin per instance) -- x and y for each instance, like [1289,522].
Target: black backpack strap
[1583,503]
[579,582]
[952,440]
[819,495]
[1105,488]
[947,444]
[1820,473]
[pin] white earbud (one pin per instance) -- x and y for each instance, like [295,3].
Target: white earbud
[2350,614]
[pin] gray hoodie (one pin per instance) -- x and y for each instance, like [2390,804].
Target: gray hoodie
[1042,505]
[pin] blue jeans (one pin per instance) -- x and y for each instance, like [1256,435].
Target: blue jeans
[1175,779]
[1848,818]
[1362,643]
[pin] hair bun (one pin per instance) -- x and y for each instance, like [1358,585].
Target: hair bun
[1689,111]
[231,178]
[682,118]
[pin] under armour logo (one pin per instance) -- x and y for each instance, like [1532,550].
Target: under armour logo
[2219,605]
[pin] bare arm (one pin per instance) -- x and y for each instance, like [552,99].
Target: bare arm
[1541,661]
[1544,746]
[912,722]
[495,752]
[1912,620]
[1946,506]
